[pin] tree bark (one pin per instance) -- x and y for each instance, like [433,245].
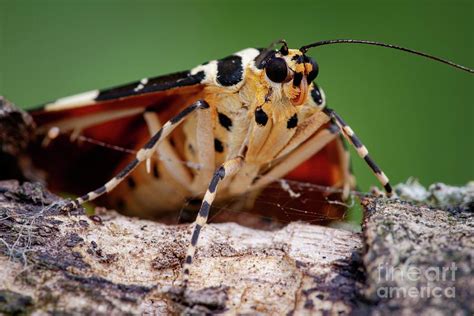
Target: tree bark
[111,264]
[72,263]
[419,259]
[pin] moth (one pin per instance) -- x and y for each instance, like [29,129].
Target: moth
[238,123]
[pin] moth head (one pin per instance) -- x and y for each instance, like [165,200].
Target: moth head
[291,71]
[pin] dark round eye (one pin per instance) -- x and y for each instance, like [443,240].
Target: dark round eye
[313,73]
[276,69]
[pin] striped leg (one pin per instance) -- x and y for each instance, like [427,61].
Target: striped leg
[167,153]
[228,168]
[362,151]
[143,154]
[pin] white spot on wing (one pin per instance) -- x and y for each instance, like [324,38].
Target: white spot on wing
[141,85]
[210,71]
[247,55]
[73,101]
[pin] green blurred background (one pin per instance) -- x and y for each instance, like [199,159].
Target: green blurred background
[414,115]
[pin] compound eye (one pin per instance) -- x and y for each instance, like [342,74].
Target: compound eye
[313,73]
[276,70]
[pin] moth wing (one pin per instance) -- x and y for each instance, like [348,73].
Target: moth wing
[161,94]
[111,117]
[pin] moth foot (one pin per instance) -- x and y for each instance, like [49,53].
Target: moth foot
[63,206]
[375,191]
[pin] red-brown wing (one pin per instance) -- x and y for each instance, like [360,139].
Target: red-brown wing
[112,116]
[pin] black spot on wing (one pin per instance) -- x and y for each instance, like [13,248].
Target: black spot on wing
[292,122]
[224,120]
[261,117]
[230,71]
[218,145]
[176,80]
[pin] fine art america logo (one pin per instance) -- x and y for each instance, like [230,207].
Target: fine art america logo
[415,282]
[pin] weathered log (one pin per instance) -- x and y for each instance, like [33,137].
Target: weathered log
[420,259]
[72,263]
[16,131]
[111,264]
[16,128]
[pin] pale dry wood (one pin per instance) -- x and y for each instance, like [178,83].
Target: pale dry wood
[52,262]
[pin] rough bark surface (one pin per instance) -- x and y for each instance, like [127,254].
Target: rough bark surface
[16,128]
[16,131]
[414,253]
[110,264]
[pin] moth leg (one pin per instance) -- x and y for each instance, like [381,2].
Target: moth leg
[204,151]
[227,169]
[362,151]
[143,154]
[302,153]
[244,181]
[167,154]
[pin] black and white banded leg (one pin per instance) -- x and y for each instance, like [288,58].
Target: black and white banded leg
[228,168]
[362,151]
[143,154]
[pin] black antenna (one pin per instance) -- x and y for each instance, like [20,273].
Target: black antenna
[305,48]
[275,43]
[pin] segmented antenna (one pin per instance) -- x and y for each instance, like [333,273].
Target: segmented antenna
[305,48]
